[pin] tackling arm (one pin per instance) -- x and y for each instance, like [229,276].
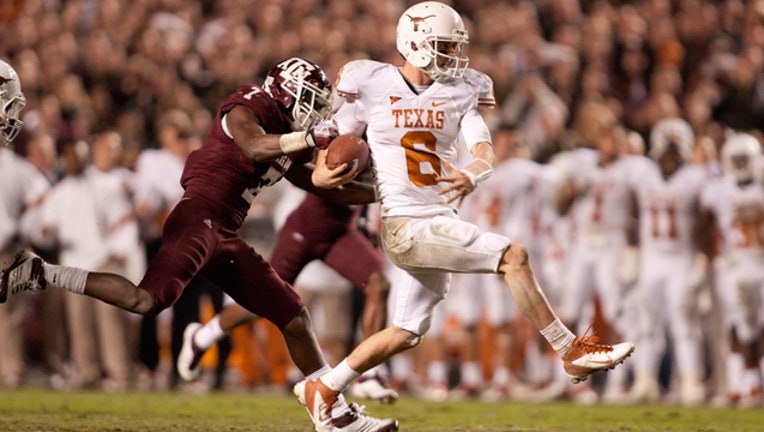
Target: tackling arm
[249,135]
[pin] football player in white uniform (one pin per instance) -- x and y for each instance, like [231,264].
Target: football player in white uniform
[601,205]
[672,269]
[12,101]
[22,188]
[412,116]
[735,204]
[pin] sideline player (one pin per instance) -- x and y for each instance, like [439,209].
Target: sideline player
[412,117]
[733,207]
[672,268]
[260,134]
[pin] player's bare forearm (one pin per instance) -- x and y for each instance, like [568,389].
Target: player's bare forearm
[246,131]
[352,192]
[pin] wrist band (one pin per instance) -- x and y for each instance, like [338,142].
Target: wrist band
[477,178]
[292,142]
[472,177]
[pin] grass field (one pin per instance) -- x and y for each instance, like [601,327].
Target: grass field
[52,411]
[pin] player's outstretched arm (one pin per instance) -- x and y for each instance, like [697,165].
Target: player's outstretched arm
[259,146]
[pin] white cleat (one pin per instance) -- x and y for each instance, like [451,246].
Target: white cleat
[190,355]
[372,387]
[356,420]
[24,274]
[587,356]
[318,399]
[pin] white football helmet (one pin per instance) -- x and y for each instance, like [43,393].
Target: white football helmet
[739,156]
[12,101]
[671,131]
[422,31]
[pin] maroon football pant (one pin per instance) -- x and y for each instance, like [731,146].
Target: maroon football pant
[306,237]
[197,240]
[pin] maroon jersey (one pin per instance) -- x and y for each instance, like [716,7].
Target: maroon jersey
[221,174]
[200,235]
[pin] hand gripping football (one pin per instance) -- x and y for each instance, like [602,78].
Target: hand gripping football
[350,149]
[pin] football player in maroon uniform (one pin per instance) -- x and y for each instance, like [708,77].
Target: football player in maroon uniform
[316,229]
[260,134]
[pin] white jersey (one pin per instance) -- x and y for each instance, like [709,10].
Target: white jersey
[412,136]
[70,213]
[739,212]
[510,201]
[157,186]
[21,185]
[120,230]
[602,211]
[159,173]
[668,207]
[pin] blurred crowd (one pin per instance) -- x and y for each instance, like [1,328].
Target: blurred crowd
[129,88]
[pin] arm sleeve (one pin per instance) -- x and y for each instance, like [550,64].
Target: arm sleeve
[351,118]
[474,129]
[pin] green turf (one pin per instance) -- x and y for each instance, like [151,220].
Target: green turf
[51,411]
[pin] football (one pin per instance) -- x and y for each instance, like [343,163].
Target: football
[350,149]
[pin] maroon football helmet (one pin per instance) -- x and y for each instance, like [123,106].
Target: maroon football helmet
[302,90]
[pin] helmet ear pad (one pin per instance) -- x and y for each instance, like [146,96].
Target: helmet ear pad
[418,57]
[282,99]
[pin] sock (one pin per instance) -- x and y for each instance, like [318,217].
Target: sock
[209,333]
[437,373]
[735,368]
[69,278]
[401,366]
[472,375]
[500,377]
[341,406]
[751,381]
[340,377]
[319,373]
[559,336]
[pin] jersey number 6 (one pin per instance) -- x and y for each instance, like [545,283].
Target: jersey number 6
[422,162]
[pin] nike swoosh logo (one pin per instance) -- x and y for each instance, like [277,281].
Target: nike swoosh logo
[437,104]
